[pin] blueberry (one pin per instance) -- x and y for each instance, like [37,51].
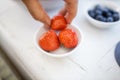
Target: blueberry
[104,19]
[99,17]
[104,12]
[109,14]
[98,7]
[98,12]
[111,11]
[91,13]
[110,19]
[116,16]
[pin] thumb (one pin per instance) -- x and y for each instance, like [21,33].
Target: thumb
[71,9]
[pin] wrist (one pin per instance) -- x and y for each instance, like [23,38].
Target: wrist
[71,1]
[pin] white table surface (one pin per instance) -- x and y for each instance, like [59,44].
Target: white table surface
[94,60]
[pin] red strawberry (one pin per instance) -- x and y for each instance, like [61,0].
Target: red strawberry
[58,23]
[68,38]
[49,41]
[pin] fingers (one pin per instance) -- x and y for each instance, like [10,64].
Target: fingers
[37,11]
[70,10]
[62,11]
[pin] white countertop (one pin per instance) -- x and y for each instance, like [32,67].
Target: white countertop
[94,60]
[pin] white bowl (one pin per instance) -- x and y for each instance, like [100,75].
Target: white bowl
[61,51]
[101,24]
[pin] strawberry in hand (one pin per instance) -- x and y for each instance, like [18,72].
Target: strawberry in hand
[58,23]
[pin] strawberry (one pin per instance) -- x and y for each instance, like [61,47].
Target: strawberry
[68,38]
[49,41]
[58,23]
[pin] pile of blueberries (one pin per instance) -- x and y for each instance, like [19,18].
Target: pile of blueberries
[104,14]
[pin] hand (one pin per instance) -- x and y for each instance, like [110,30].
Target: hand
[37,11]
[70,10]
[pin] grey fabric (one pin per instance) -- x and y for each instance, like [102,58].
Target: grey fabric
[117,53]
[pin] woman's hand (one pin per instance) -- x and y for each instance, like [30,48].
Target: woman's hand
[69,10]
